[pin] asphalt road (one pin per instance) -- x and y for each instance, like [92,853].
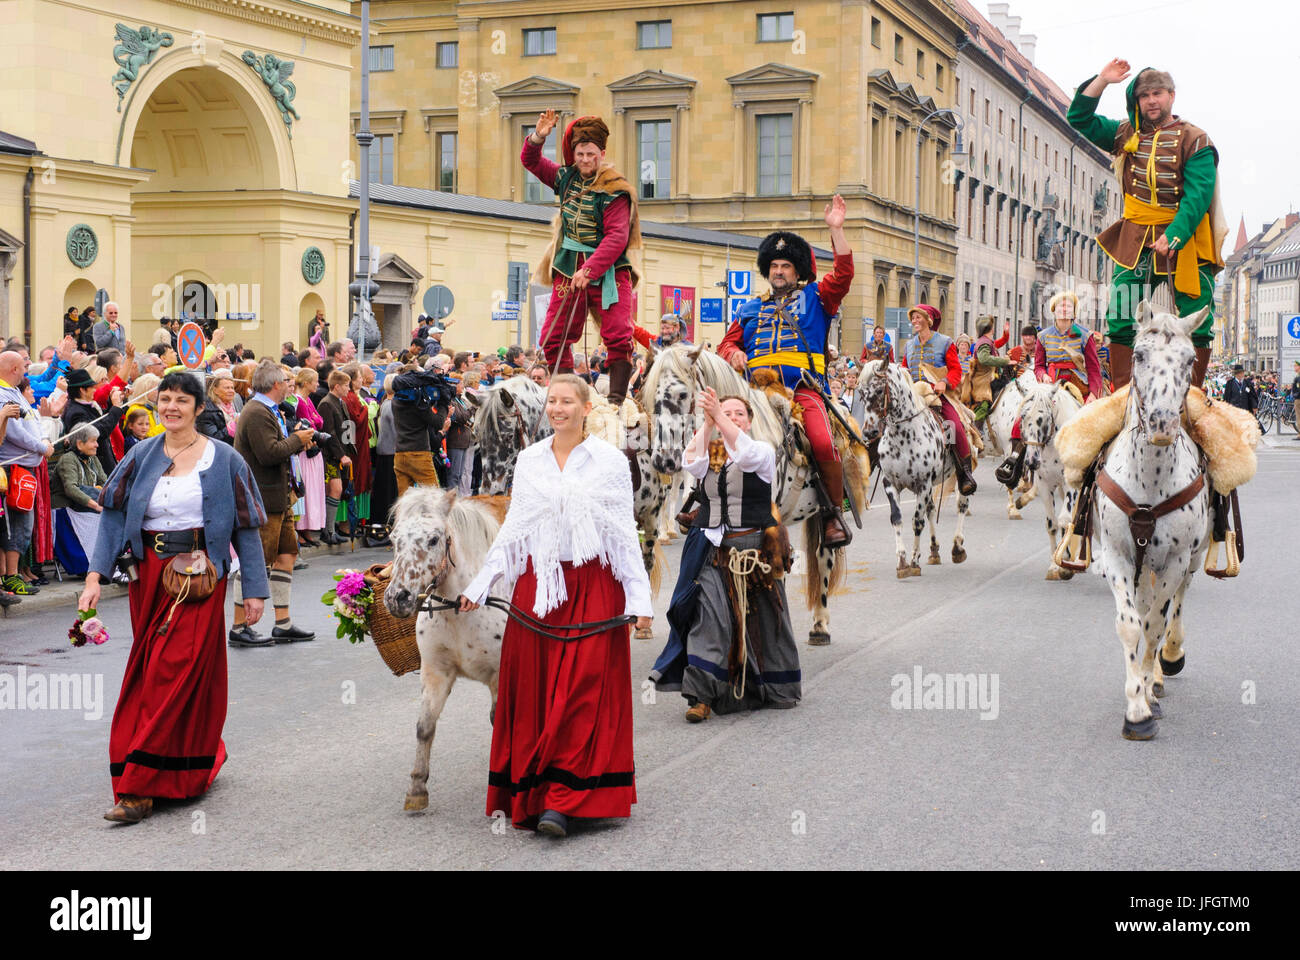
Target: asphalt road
[848,779]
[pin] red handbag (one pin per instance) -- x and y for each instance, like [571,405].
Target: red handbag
[22,488]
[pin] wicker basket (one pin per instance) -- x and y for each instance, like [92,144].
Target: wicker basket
[394,638]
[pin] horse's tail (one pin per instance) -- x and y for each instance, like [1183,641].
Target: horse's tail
[658,565]
[812,545]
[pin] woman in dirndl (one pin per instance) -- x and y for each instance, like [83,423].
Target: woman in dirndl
[171,494]
[729,669]
[312,467]
[562,732]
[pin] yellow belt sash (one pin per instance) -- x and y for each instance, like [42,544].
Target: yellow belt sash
[790,358]
[1187,278]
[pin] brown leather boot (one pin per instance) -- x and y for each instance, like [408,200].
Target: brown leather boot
[620,372]
[835,533]
[1121,365]
[1200,366]
[965,482]
[130,809]
[700,711]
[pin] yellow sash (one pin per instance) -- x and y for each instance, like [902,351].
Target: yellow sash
[790,358]
[1187,279]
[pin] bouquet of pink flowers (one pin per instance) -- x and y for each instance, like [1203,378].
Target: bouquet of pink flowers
[350,600]
[88,628]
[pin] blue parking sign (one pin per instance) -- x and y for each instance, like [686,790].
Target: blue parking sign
[740,283]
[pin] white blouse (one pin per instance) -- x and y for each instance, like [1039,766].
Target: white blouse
[582,470]
[177,502]
[752,456]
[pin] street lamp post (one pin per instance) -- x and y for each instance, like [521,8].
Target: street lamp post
[362,287]
[916,219]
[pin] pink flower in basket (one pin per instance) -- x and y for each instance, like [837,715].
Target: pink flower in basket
[351,585]
[94,630]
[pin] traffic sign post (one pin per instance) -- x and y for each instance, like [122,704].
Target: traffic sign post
[438,302]
[740,283]
[1289,342]
[190,344]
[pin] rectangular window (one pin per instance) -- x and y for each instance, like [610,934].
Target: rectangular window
[773,27]
[968,293]
[982,291]
[995,298]
[654,158]
[938,75]
[972,101]
[986,110]
[534,190]
[381,59]
[999,121]
[539,43]
[381,159]
[654,34]
[898,47]
[920,63]
[875,32]
[448,55]
[775,154]
[447,162]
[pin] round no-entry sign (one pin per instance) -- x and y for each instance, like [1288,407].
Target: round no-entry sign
[190,344]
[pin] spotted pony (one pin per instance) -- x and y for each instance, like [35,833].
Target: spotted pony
[510,416]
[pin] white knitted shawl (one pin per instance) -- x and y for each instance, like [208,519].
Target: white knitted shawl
[549,511]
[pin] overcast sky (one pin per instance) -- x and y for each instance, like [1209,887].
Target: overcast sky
[1236,66]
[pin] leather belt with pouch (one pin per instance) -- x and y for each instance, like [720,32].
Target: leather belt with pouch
[188,576]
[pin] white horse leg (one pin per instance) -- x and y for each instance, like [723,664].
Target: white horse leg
[1026,492]
[1013,513]
[933,519]
[1139,724]
[492,689]
[1155,626]
[436,687]
[1170,657]
[896,520]
[959,538]
[820,634]
[1054,534]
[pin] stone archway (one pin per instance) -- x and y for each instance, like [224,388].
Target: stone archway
[306,313]
[80,294]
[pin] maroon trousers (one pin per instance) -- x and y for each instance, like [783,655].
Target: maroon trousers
[562,735]
[566,316]
[166,735]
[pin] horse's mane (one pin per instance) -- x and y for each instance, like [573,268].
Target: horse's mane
[471,525]
[675,362]
[492,413]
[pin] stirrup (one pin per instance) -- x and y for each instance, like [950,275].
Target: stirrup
[1073,553]
[1232,562]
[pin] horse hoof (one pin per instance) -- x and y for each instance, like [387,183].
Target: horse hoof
[958,555]
[644,633]
[818,638]
[1067,574]
[904,572]
[935,560]
[1158,689]
[1142,730]
[1014,515]
[1170,668]
[416,801]
[1156,712]
[914,570]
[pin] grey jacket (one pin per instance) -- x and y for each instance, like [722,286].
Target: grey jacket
[106,337]
[24,442]
[232,511]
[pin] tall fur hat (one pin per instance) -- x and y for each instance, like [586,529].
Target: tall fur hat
[584,130]
[783,245]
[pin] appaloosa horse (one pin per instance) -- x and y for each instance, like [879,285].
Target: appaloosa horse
[509,417]
[1150,545]
[1002,417]
[913,455]
[1048,408]
[670,391]
[439,543]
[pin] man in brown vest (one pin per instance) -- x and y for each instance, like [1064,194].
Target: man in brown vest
[977,386]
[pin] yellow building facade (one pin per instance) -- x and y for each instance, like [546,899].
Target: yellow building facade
[831,91]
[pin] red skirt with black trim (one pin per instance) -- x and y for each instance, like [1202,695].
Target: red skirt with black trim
[562,736]
[166,734]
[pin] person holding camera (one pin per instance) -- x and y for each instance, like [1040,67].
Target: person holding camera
[173,494]
[421,412]
[263,438]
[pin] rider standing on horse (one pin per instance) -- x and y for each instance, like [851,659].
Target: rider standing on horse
[788,330]
[587,263]
[929,348]
[1168,172]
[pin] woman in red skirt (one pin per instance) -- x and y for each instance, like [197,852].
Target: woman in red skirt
[562,733]
[171,494]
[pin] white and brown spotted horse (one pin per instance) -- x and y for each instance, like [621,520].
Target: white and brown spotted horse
[998,425]
[913,455]
[669,392]
[1042,414]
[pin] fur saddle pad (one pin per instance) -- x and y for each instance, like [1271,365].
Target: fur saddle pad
[928,396]
[782,398]
[610,424]
[1228,436]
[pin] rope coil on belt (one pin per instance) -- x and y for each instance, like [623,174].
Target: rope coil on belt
[741,564]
